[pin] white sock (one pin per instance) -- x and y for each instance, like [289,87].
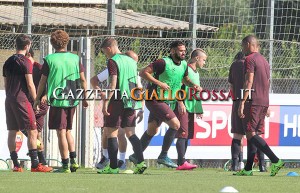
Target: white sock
[105,153]
[122,156]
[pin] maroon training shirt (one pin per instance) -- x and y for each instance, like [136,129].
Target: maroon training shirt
[236,77]
[257,64]
[14,69]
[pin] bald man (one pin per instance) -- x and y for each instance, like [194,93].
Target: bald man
[253,109]
[95,80]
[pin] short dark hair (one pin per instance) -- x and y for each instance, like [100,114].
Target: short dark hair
[108,42]
[59,39]
[22,41]
[175,44]
[249,39]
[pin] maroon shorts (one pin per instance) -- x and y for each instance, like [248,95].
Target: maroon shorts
[254,120]
[39,116]
[183,131]
[236,121]
[19,115]
[61,118]
[159,111]
[119,116]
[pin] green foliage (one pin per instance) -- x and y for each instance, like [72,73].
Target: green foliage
[99,63]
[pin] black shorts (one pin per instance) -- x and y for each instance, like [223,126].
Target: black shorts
[61,118]
[119,116]
[236,121]
[159,111]
[254,120]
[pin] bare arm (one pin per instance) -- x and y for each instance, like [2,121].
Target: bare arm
[41,87]
[83,84]
[187,81]
[247,88]
[30,85]
[146,73]
[249,77]
[95,82]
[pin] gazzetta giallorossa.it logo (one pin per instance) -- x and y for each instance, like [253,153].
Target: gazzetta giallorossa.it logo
[139,94]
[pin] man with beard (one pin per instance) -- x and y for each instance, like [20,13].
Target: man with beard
[165,75]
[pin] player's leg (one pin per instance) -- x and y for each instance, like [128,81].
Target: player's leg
[58,121]
[152,129]
[40,125]
[122,149]
[238,133]
[12,128]
[235,150]
[11,142]
[128,123]
[112,146]
[137,149]
[169,137]
[111,124]
[261,144]
[105,158]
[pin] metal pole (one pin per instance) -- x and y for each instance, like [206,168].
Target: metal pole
[85,123]
[111,17]
[193,22]
[271,40]
[27,16]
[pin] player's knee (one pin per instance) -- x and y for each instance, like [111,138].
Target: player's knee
[175,124]
[152,131]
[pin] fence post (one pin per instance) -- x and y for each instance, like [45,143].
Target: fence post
[85,142]
[111,17]
[271,38]
[193,23]
[27,16]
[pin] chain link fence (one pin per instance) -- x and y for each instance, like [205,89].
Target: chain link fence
[285,75]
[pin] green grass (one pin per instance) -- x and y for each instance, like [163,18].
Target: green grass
[153,180]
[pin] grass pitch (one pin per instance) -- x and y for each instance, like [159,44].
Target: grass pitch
[152,181]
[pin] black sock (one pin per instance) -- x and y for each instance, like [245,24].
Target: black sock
[14,158]
[33,157]
[41,157]
[186,145]
[235,151]
[65,162]
[137,148]
[72,157]
[263,146]
[113,152]
[180,146]
[145,140]
[241,156]
[261,160]
[168,139]
[251,151]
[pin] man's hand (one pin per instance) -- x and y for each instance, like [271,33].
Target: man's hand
[198,88]
[36,105]
[268,112]
[44,100]
[164,86]
[104,109]
[85,104]
[140,116]
[241,110]
[181,108]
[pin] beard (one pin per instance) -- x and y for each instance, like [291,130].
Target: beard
[178,57]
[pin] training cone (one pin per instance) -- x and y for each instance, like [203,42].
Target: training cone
[228,189]
[292,174]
